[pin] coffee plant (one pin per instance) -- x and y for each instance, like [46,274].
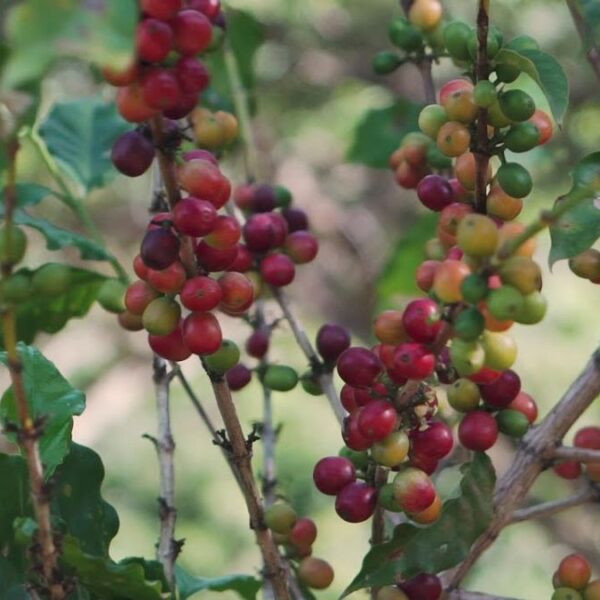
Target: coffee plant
[428,399]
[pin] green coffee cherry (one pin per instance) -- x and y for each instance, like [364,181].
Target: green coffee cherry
[431,118]
[522,137]
[359,459]
[283,196]
[517,105]
[386,62]
[280,378]
[51,279]
[507,73]
[464,395]
[534,309]
[485,94]
[505,303]
[515,180]
[161,316]
[280,517]
[13,243]
[474,288]
[437,159]
[566,593]
[469,324]
[404,35]
[387,499]
[467,357]
[456,37]
[111,296]
[496,117]
[512,422]
[310,384]
[225,358]
[17,288]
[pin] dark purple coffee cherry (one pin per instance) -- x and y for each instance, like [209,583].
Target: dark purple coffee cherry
[160,249]
[238,377]
[257,345]
[132,154]
[332,340]
[296,219]
[264,199]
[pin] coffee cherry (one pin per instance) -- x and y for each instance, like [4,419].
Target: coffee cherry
[478,431]
[280,378]
[391,450]
[465,169]
[238,377]
[435,441]
[467,357]
[568,470]
[202,333]
[586,264]
[477,235]
[351,433]
[160,89]
[423,587]
[13,244]
[280,517]
[224,359]
[566,593]
[171,346]
[517,105]
[431,118]
[421,320]
[302,247]
[161,9]
[588,437]
[413,489]
[356,502]
[295,218]
[574,571]
[51,279]
[425,14]
[435,192]
[201,294]
[192,76]
[161,316]
[303,533]
[202,179]
[513,423]
[137,297]
[503,391]
[389,328]
[485,94]
[474,288]
[332,340]
[257,345]
[456,35]
[500,350]
[123,77]
[352,398]
[315,573]
[404,35]
[448,279]
[430,514]
[332,474]
[159,249]
[18,288]
[469,325]
[169,280]
[514,179]
[464,395]
[460,106]
[213,259]
[592,590]
[277,270]
[237,291]
[359,367]
[192,32]
[453,139]
[544,125]
[525,404]
[132,154]
[110,296]
[414,361]
[226,233]
[377,420]
[154,40]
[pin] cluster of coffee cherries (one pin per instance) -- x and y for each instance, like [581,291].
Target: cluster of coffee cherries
[587,265]
[571,581]
[588,438]
[297,535]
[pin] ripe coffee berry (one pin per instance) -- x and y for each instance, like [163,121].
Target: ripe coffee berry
[332,474]
[192,75]
[304,532]
[359,367]
[132,154]
[202,333]
[413,489]
[154,40]
[194,217]
[192,32]
[170,347]
[238,291]
[352,435]
[414,361]
[435,192]
[302,247]
[277,270]
[160,89]
[213,259]
[332,340]
[225,234]
[435,441]
[568,470]
[503,391]
[159,249]
[169,280]
[161,9]
[356,502]
[478,431]
[238,377]
[257,345]
[296,219]
[421,320]
[201,294]
[423,587]
[377,420]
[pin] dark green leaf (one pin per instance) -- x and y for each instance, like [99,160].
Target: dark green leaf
[546,71]
[442,545]
[379,133]
[590,10]
[14,496]
[79,134]
[10,578]
[99,32]
[579,228]
[49,395]
[153,570]
[108,579]
[30,194]
[398,276]
[49,315]
[78,503]
[246,586]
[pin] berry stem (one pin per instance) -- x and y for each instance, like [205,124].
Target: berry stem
[536,450]
[168,548]
[577,454]
[29,432]
[481,150]
[586,35]
[378,520]
[275,571]
[547,509]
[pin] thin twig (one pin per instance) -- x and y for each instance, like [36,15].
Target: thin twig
[577,454]
[378,520]
[587,37]
[29,432]
[241,454]
[465,595]
[546,509]
[535,453]
[167,548]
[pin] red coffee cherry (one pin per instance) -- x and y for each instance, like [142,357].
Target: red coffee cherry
[315,573]
[435,441]
[154,39]
[192,32]
[238,377]
[568,470]
[169,280]
[356,502]
[359,367]
[304,532]
[139,268]
[413,490]
[574,571]
[525,404]
[302,247]
[421,320]
[427,464]
[202,333]
[243,262]
[238,291]
[435,192]
[192,75]
[332,340]
[414,361]
[185,105]
[352,435]
[277,270]
[332,474]
[201,294]
[422,587]
[160,89]
[159,249]
[263,198]
[161,9]
[202,179]
[201,154]
[501,392]
[170,347]
[588,437]
[259,233]
[131,105]
[226,233]
[213,259]
[194,217]
[137,297]
[478,431]
[210,8]
[132,154]
[353,398]
[377,420]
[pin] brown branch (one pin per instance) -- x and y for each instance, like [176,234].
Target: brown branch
[535,453]
[585,33]
[465,595]
[546,509]
[167,548]
[29,432]
[577,454]
[275,570]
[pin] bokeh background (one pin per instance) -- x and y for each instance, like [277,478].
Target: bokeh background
[314,86]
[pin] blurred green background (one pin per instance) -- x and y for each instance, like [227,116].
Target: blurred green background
[314,87]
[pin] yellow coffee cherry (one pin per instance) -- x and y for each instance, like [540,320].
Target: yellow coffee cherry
[477,235]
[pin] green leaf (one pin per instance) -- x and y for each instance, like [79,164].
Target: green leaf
[49,396]
[579,228]
[78,503]
[79,134]
[546,71]
[379,133]
[246,586]
[14,496]
[49,315]
[442,545]
[10,578]
[30,194]
[99,32]
[108,579]
[590,10]
[398,276]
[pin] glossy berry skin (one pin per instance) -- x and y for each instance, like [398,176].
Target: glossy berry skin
[213,259]
[193,77]
[414,361]
[332,474]
[154,40]
[478,431]
[243,261]
[132,154]
[302,247]
[332,340]
[588,437]
[210,8]
[425,463]
[202,333]
[170,347]
[391,450]
[159,249]
[138,295]
[503,391]
[525,404]
[202,179]
[421,320]
[129,321]
[161,9]
[359,367]
[131,105]
[160,89]
[352,435]
[435,192]
[201,294]
[353,398]
[259,233]
[192,32]
[304,532]
[413,489]
[238,291]
[257,345]
[423,587]
[161,316]
[315,573]
[277,270]
[238,377]
[574,571]
[194,217]
[225,234]
[296,219]
[356,502]
[377,420]
[568,470]
[169,280]
[435,441]
[186,103]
